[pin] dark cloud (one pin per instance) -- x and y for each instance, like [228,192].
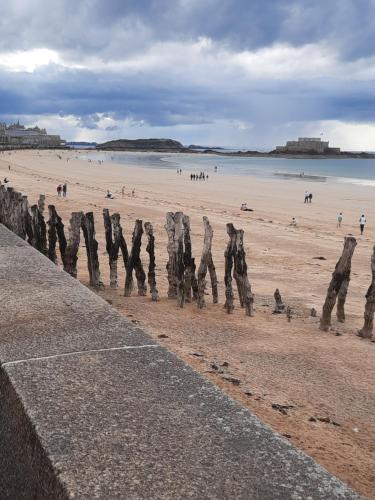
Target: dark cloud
[180,92]
[113,28]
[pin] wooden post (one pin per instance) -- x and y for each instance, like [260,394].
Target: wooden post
[229,261]
[170,228]
[206,263]
[194,281]
[39,240]
[134,262]
[55,232]
[113,235]
[340,277]
[367,329]
[52,234]
[187,258]
[88,229]
[71,251]
[279,305]
[42,203]
[240,275]
[150,249]
[179,258]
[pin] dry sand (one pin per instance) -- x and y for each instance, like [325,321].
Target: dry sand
[318,374]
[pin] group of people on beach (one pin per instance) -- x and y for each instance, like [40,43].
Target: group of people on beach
[62,190]
[308,197]
[362,221]
[199,177]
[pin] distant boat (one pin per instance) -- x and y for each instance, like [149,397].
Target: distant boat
[302,176]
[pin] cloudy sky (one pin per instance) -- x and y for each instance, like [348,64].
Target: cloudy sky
[246,73]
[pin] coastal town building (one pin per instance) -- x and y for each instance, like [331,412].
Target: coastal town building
[308,145]
[18,136]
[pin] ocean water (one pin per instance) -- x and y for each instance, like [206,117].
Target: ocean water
[354,171]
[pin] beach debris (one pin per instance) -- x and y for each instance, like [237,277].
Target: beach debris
[206,264]
[366,331]
[289,314]
[319,258]
[279,306]
[282,408]
[233,380]
[338,286]
[248,393]
[88,229]
[134,263]
[150,249]
[287,436]
[197,354]
[114,241]
[163,336]
[235,259]
[225,364]
[324,420]
[313,312]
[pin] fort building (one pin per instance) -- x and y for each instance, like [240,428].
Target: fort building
[18,136]
[308,145]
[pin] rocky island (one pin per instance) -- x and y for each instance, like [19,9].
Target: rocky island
[148,145]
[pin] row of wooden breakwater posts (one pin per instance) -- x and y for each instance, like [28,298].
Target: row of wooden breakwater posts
[185,282]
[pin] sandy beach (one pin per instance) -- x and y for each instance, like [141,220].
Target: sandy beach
[318,375]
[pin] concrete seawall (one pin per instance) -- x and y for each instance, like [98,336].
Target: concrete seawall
[92,407]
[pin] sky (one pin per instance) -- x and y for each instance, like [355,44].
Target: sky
[235,73]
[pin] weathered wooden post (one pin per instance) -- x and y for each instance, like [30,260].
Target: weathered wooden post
[52,234]
[39,240]
[279,305]
[240,274]
[188,259]
[367,329]
[340,277]
[42,203]
[229,261]
[113,236]
[134,263]
[88,229]
[206,264]
[55,232]
[179,258]
[170,228]
[71,251]
[150,249]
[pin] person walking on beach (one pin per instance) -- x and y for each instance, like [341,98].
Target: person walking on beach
[123,191]
[339,219]
[362,222]
[306,196]
[59,189]
[310,197]
[64,189]
[133,192]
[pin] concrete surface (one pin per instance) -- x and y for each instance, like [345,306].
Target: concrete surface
[91,407]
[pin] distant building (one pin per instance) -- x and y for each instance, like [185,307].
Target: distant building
[308,145]
[17,136]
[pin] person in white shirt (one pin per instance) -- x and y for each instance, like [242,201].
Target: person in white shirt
[306,196]
[362,222]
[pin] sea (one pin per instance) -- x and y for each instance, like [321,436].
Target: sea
[343,170]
